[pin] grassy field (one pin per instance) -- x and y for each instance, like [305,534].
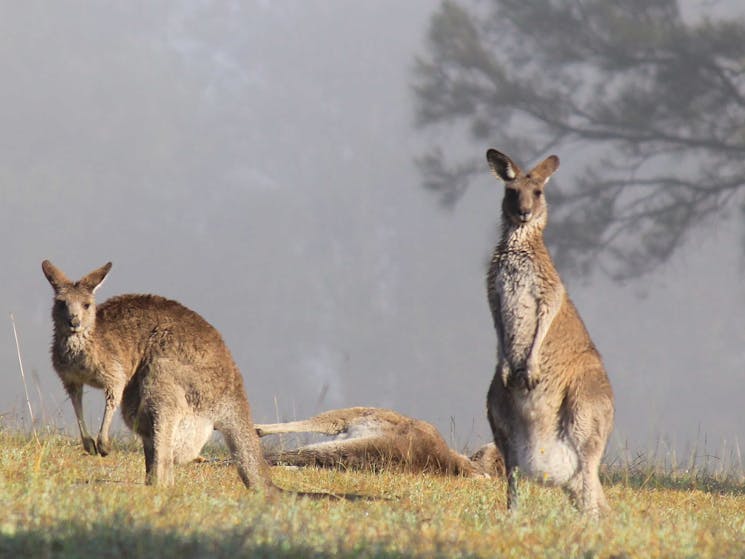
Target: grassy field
[58,502]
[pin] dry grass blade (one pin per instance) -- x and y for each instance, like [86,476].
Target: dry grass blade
[23,377]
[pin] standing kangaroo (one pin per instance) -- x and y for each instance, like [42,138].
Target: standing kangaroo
[170,369]
[550,404]
[374,438]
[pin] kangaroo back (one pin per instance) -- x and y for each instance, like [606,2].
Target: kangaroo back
[186,385]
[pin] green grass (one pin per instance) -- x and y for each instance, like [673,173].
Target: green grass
[55,501]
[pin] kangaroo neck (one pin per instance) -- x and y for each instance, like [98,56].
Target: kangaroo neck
[75,349]
[521,236]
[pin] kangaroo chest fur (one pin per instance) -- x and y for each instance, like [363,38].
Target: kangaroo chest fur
[364,428]
[74,363]
[515,284]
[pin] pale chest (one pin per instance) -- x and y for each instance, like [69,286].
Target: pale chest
[362,429]
[516,285]
[76,363]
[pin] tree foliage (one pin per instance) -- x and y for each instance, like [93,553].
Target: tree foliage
[646,104]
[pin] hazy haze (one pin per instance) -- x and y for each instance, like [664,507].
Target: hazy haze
[256,162]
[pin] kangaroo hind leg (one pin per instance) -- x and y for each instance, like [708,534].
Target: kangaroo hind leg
[312,425]
[243,441]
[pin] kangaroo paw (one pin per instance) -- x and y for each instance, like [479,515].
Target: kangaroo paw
[90,445]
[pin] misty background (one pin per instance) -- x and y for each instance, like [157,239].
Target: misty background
[257,161]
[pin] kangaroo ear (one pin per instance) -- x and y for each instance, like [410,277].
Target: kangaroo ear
[502,166]
[55,276]
[94,280]
[545,168]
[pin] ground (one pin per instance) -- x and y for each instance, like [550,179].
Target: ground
[56,501]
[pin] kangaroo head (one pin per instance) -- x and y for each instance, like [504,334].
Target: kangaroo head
[523,200]
[74,308]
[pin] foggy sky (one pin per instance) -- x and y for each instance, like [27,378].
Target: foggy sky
[256,162]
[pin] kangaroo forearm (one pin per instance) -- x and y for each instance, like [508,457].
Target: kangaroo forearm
[545,319]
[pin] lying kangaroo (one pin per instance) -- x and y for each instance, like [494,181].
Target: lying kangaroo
[374,438]
[550,404]
[170,369]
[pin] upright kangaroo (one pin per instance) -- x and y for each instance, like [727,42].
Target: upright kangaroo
[374,438]
[169,367]
[550,404]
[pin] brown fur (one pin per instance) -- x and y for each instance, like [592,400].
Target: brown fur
[550,404]
[378,439]
[488,459]
[170,369]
